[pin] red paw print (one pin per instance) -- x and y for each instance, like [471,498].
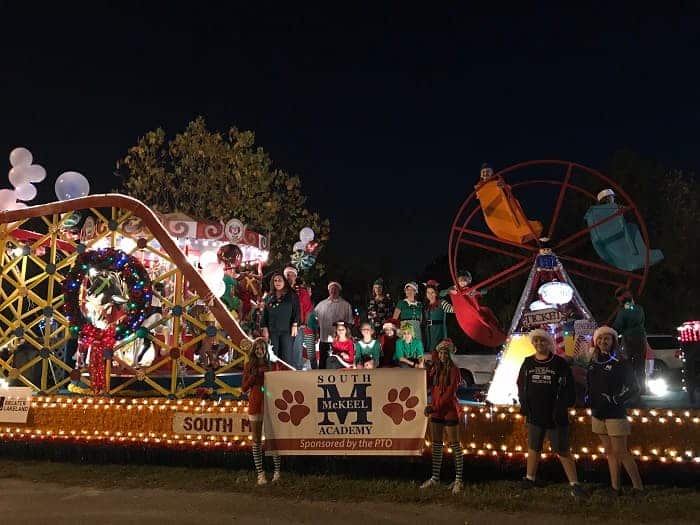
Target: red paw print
[396,411]
[296,412]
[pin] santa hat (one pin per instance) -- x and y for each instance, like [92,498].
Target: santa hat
[411,284]
[391,323]
[291,269]
[432,282]
[604,330]
[540,332]
[334,283]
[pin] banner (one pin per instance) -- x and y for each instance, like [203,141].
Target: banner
[14,404]
[346,412]
[230,424]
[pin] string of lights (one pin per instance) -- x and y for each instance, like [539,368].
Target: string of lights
[665,436]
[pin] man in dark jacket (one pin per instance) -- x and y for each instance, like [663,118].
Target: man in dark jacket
[546,390]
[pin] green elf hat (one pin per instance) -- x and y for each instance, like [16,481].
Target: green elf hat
[379,282]
[407,328]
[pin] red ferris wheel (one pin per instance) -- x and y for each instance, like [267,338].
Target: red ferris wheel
[602,247]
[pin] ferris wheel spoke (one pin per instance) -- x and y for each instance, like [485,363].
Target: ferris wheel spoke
[505,275]
[599,266]
[593,277]
[493,249]
[587,230]
[560,201]
[490,237]
[503,279]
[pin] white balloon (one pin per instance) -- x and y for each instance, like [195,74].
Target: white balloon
[19,175]
[25,192]
[36,173]
[213,273]
[218,289]
[306,235]
[7,199]
[299,245]
[20,157]
[71,185]
[207,258]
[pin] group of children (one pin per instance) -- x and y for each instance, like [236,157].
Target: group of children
[545,387]
[395,347]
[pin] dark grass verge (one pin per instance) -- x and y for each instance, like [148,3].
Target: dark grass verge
[662,503]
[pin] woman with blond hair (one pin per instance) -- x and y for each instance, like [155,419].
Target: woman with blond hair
[611,384]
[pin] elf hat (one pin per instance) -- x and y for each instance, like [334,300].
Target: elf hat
[539,332]
[604,330]
[391,323]
[411,284]
[446,344]
[407,328]
[464,273]
[379,282]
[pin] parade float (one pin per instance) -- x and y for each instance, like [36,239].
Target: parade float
[105,306]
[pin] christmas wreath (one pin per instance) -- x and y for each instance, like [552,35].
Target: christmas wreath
[100,341]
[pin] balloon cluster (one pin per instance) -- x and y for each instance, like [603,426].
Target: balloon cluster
[305,250]
[22,175]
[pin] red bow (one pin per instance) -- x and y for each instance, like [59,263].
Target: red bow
[97,341]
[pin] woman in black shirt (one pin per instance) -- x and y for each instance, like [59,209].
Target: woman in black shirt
[281,317]
[611,383]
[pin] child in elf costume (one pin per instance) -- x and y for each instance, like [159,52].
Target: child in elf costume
[367,349]
[253,382]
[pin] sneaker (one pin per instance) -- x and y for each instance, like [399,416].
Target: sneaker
[432,482]
[639,493]
[577,491]
[527,484]
[457,487]
[275,477]
[613,492]
[262,480]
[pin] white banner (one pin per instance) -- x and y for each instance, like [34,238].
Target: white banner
[14,404]
[222,424]
[346,412]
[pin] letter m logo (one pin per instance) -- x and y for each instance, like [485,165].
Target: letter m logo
[357,402]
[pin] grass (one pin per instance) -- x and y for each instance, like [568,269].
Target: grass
[661,503]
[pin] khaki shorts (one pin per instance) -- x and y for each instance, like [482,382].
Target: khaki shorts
[611,427]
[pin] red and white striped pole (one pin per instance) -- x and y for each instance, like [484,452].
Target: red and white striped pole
[559,346]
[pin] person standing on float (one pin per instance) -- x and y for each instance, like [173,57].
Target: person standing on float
[328,312]
[380,306]
[281,317]
[435,326]
[305,308]
[629,323]
[410,310]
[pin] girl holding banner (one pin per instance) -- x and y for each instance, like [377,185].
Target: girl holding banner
[443,380]
[253,381]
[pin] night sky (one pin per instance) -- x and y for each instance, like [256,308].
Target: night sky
[385,115]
